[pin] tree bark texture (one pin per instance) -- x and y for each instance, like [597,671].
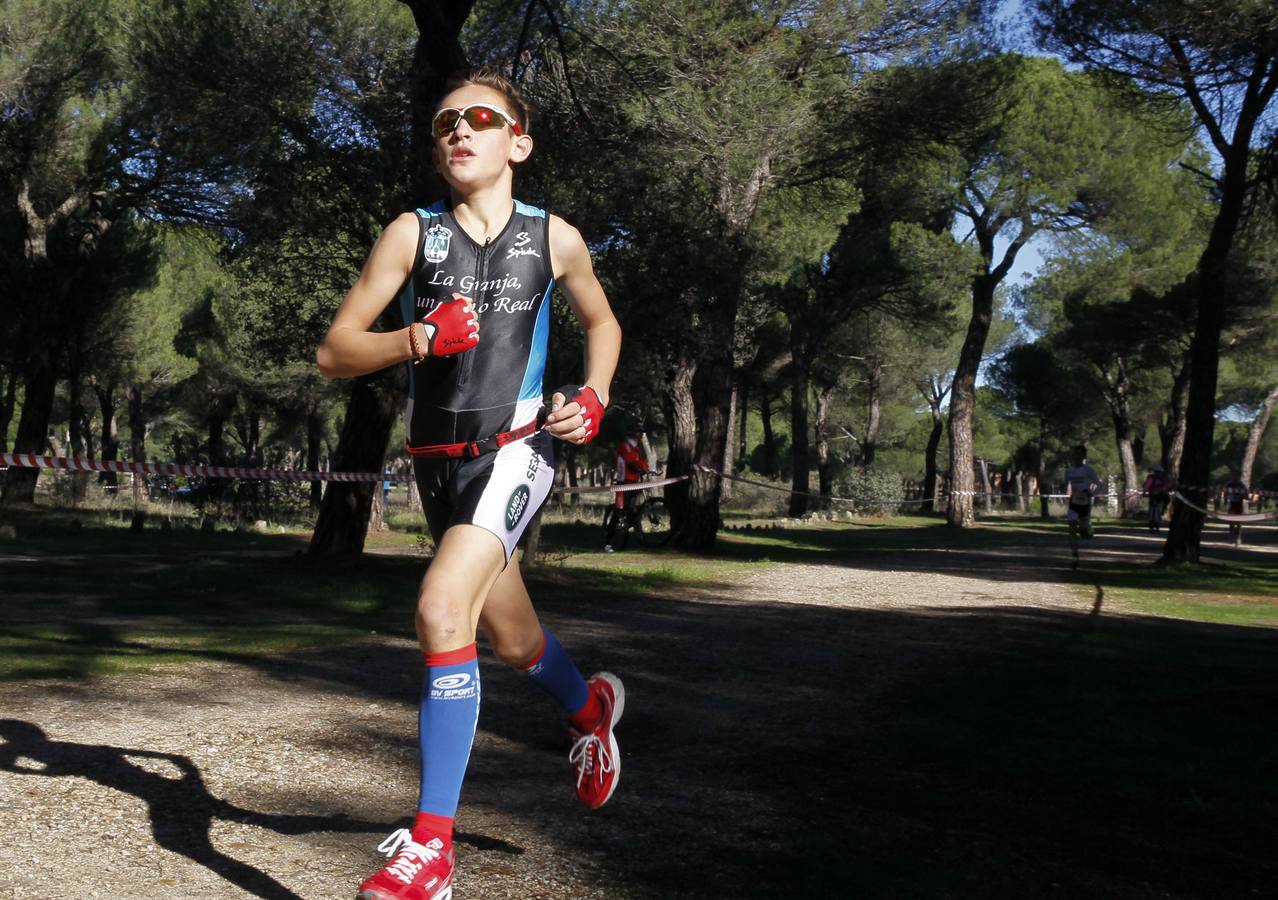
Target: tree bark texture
[137,440]
[961,511]
[825,474]
[1254,435]
[769,437]
[110,435]
[342,524]
[1185,533]
[8,402]
[314,443]
[681,425]
[929,459]
[33,429]
[869,446]
[799,479]
[729,446]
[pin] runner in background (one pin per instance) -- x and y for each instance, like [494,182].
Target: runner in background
[1235,492]
[1158,490]
[1082,484]
[631,466]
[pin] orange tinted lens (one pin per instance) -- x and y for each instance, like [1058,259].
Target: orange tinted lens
[445,121]
[481,118]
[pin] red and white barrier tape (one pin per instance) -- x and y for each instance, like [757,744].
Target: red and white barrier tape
[1226,517]
[86,464]
[619,488]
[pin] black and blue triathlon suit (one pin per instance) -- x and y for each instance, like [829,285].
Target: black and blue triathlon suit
[494,387]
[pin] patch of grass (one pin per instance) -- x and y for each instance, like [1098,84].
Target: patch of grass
[81,651]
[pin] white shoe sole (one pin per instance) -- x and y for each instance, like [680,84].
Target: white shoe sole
[378,895]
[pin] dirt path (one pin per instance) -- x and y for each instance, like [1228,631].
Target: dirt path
[278,780]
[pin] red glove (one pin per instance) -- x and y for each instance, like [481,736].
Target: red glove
[592,409]
[451,327]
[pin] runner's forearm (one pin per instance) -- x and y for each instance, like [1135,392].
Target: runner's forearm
[347,352]
[603,347]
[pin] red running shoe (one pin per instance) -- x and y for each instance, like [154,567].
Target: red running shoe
[595,754]
[416,871]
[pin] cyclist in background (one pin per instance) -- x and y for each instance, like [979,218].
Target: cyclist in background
[632,465]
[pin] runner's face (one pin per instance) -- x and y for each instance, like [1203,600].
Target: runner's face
[470,159]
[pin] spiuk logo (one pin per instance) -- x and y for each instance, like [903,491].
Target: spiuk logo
[516,506]
[521,248]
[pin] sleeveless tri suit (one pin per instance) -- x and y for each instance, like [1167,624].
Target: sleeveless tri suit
[493,388]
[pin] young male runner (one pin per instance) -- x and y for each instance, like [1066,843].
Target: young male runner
[1083,484]
[473,277]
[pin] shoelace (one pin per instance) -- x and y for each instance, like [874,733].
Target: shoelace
[581,757]
[410,856]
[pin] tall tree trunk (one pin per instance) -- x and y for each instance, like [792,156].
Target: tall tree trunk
[110,435]
[314,443]
[1171,430]
[80,441]
[875,384]
[769,437]
[1117,394]
[8,401]
[712,392]
[33,428]
[799,479]
[681,425]
[729,446]
[137,441]
[1127,458]
[1254,435]
[342,524]
[929,457]
[743,416]
[1040,466]
[825,475]
[1200,414]
[961,512]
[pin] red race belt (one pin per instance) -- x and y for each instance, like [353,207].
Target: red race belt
[473,449]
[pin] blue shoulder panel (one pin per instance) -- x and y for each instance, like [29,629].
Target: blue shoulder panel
[526,210]
[535,373]
[438,208]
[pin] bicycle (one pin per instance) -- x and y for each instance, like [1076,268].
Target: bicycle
[650,520]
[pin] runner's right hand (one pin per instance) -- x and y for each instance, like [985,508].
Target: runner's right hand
[451,327]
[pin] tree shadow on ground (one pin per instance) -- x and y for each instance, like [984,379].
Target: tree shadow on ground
[181,809]
[777,750]
[773,751]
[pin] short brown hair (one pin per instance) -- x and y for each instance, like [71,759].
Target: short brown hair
[489,78]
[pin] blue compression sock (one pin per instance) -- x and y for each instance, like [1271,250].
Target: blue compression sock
[554,671]
[446,727]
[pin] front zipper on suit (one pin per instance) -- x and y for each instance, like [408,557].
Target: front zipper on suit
[481,272]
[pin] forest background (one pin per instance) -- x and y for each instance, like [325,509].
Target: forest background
[808,217]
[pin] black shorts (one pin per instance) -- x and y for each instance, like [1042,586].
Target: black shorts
[500,492]
[1079,511]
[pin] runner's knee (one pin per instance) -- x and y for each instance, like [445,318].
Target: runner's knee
[442,615]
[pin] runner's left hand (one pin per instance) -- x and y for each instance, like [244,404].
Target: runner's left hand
[575,414]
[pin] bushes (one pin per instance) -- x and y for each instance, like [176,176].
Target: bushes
[877,492]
